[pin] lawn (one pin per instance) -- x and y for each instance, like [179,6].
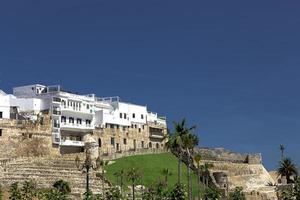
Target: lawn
[151,167]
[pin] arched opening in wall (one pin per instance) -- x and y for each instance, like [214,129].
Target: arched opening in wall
[150,144]
[157,145]
[99,142]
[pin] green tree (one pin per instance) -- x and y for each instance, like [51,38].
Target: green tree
[15,192]
[237,194]
[175,143]
[62,186]
[288,169]
[189,142]
[197,159]
[204,170]
[133,176]
[177,193]
[211,194]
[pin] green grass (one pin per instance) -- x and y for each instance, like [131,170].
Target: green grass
[151,167]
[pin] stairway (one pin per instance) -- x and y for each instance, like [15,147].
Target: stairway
[44,171]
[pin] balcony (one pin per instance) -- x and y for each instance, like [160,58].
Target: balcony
[71,143]
[156,136]
[78,110]
[65,125]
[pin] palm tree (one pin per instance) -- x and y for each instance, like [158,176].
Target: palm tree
[282,148]
[288,169]
[175,143]
[133,175]
[204,170]
[197,159]
[103,163]
[166,172]
[189,141]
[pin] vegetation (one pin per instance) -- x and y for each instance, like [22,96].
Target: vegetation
[237,194]
[62,186]
[288,169]
[211,194]
[152,167]
[282,148]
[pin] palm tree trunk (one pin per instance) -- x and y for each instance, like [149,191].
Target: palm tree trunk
[198,178]
[189,183]
[103,192]
[179,168]
[133,191]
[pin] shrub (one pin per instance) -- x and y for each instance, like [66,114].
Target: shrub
[211,193]
[15,193]
[237,194]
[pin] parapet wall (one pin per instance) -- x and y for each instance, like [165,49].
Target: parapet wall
[221,154]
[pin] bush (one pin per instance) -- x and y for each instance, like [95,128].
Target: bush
[211,193]
[15,193]
[62,186]
[237,194]
[177,193]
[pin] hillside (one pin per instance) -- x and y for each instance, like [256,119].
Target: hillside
[152,167]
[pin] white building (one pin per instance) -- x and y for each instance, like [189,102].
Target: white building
[73,115]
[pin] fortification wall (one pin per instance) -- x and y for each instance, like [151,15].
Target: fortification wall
[221,154]
[26,138]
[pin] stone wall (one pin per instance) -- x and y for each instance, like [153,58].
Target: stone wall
[26,138]
[221,154]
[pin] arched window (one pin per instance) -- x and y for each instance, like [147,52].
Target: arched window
[150,144]
[99,142]
[157,145]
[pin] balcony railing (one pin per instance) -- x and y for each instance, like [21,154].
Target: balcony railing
[76,109]
[66,142]
[56,112]
[75,125]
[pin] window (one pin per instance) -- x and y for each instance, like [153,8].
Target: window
[121,115]
[88,122]
[71,120]
[143,127]
[118,127]
[125,141]
[142,116]
[131,125]
[99,142]
[79,121]
[139,130]
[1,115]
[112,126]
[124,128]
[63,119]
[112,141]
[125,116]
[87,106]
[142,144]
[135,126]
[133,115]
[0,132]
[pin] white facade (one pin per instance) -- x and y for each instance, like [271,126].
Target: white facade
[74,115]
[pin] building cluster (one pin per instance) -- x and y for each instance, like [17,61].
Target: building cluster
[115,125]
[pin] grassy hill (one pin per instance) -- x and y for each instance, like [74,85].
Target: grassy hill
[152,167]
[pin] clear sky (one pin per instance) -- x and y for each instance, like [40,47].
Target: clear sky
[231,67]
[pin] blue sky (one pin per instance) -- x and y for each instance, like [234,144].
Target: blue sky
[231,67]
